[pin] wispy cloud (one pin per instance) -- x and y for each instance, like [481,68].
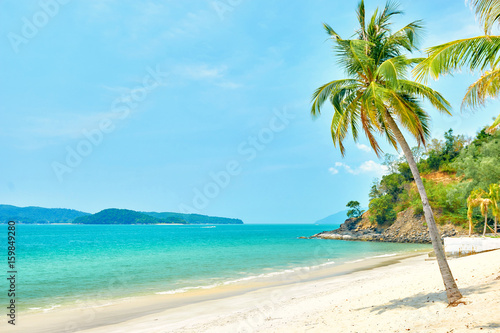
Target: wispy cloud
[214,74]
[229,85]
[368,167]
[363,147]
[201,71]
[333,171]
[40,132]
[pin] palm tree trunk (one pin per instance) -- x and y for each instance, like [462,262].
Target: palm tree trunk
[485,221]
[496,225]
[470,227]
[452,291]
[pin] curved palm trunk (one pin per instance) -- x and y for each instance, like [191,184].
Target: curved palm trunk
[452,291]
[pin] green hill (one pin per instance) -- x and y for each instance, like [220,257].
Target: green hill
[38,214]
[450,169]
[196,218]
[124,216]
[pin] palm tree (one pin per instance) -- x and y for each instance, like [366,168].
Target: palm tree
[477,53]
[376,96]
[494,195]
[478,198]
[475,199]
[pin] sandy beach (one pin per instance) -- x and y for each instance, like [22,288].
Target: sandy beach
[398,294]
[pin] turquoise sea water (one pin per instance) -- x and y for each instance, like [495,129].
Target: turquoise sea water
[64,264]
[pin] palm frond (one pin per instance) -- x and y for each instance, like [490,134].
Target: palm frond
[425,92]
[494,127]
[409,35]
[488,13]
[487,86]
[411,116]
[390,9]
[352,56]
[368,129]
[339,129]
[361,14]
[322,93]
[331,32]
[388,134]
[392,69]
[476,53]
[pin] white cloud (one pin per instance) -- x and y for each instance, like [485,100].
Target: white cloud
[229,85]
[201,72]
[333,171]
[363,147]
[373,167]
[368,167]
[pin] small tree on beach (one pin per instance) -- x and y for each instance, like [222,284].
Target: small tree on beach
[478,198]
[494,195]
[377,95]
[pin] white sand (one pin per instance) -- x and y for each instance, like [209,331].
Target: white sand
[404,297]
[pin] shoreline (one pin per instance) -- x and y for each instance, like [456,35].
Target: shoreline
[96,313]
[404,294]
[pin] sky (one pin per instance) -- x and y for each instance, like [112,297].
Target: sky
[193,106]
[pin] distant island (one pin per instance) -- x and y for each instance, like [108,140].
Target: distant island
[125,216]
[337,218]
[40,215]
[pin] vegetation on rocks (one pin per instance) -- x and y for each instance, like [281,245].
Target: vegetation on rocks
[451,169]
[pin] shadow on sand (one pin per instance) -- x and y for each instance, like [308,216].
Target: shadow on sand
[423,300]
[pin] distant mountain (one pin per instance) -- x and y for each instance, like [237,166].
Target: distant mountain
[124,216]
[38,214]
[337,218]
[196,218]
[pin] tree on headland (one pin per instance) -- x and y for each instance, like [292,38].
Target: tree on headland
[377,95]
[355,209]
[477,53]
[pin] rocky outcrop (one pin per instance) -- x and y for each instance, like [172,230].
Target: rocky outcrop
[408,228]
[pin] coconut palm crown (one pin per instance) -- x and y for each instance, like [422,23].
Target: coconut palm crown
[377,84]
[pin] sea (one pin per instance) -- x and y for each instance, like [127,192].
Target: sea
[61,265]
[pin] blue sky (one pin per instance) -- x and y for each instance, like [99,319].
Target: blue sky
[196,106]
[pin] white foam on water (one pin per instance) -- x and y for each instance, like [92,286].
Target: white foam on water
[52,308]
[247,278]
[372,257]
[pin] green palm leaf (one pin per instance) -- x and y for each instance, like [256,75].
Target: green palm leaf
[476,53]
[487,86]
[488,13]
